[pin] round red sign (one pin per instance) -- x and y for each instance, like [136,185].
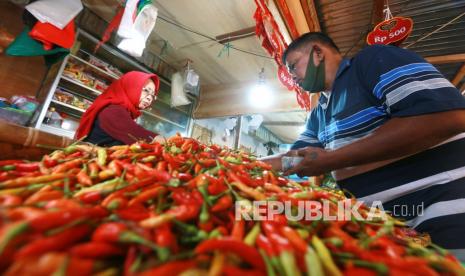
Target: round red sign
[393,31]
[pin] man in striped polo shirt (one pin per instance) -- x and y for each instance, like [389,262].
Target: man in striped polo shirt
[390,127]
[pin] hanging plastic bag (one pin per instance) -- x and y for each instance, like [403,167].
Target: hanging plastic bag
[135,36]
[56,12]
[178,97]
[191,81]
[50,35]
[126,25]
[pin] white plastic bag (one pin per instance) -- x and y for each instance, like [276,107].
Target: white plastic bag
[191,81]
[56,12]
[135,33]
[125,28]
[178,97]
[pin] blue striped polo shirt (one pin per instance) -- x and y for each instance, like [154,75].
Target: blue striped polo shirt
[384,82]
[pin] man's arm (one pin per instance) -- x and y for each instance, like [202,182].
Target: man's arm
[398,137]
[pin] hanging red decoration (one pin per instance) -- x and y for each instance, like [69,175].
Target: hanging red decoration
[273,42]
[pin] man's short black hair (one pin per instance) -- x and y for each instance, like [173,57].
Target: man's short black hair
[307,38]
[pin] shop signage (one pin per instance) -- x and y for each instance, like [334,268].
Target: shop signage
[393,31]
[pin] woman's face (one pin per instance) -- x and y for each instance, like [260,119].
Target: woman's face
[147,96]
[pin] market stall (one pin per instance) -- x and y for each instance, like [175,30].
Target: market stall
[199,199]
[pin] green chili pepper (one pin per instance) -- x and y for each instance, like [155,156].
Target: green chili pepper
[101,156]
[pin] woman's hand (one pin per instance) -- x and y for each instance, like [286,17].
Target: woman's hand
[313,163]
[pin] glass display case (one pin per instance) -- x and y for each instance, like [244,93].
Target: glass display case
[71,87]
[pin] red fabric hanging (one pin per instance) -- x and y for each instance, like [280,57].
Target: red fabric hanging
[50,35]
[124,92]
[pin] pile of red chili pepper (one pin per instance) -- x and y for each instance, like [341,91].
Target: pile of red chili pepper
[169,209]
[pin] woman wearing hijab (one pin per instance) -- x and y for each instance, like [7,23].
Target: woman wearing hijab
[110,119]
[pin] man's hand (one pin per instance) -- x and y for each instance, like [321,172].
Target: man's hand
[313,163]
[160,139]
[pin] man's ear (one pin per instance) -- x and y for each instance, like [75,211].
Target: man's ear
[319,52]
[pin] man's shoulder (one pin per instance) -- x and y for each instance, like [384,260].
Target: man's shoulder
[372,51]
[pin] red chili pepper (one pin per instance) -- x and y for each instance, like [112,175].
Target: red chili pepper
[264,243]
[49,220]
[184,176]
[238,229]
[171,268]
[10,200]
[224,203]
[216,185]
[44,196]
[133,213]
[4,176]
[115,167]
[114,202]
[80,267]
[63,167]
[91,197]
[10,162]
[197,168]
[146,195]
[63,204]
[205,155]
[129,261]
[109,232]
[95,250]
[207,226]
[207,163]
[93,170]
[294,238]
[187,145]
[185,212]
[56,242]
[83,178]
[246,252]
[171,160]
[161,166]
[27,167]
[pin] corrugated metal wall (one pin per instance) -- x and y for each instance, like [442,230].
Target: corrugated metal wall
[348,22]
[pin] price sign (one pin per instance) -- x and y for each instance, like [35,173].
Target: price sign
[393,31]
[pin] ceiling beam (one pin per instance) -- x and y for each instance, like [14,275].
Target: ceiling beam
[283,123]
[446,59]
[308,6]
[459,76]
[232,36]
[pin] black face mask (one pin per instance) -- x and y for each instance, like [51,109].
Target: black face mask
[314,80]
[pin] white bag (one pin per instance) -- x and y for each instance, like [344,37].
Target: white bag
[125,28]
[135,33]
[178,97]
[56,12]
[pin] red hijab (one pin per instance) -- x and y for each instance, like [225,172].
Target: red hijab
[124,91]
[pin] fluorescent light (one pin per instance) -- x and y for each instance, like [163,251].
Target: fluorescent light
[260,96]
